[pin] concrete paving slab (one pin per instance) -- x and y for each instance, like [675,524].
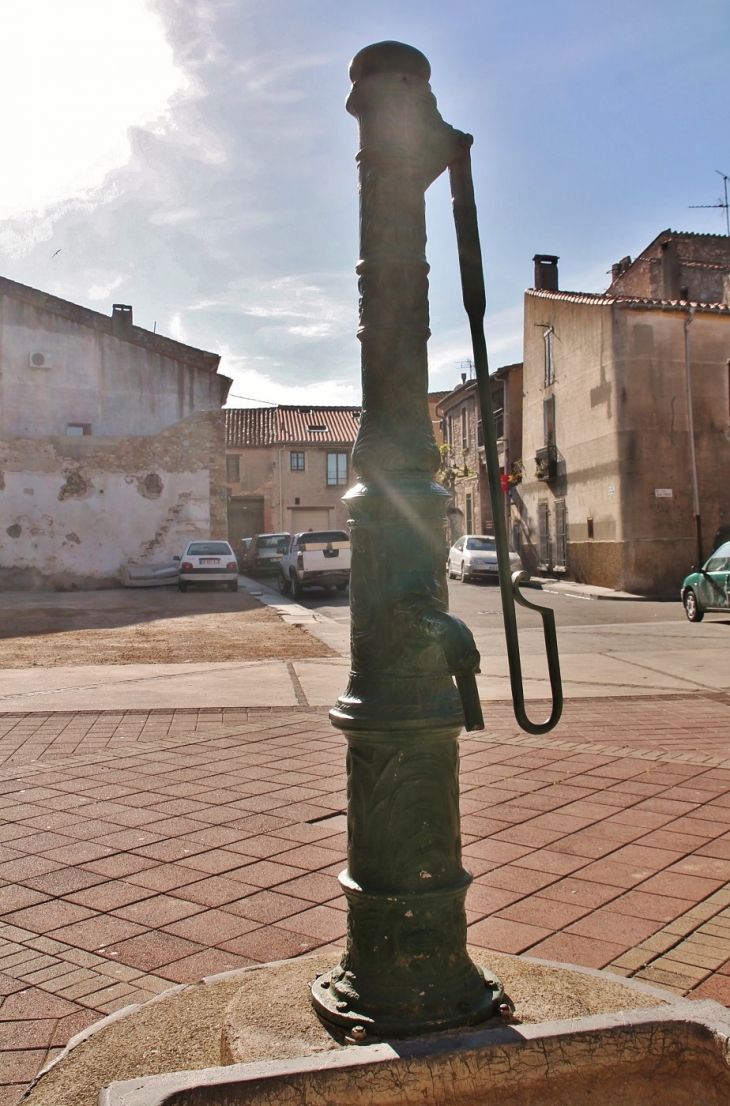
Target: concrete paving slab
[707,668]
[322,681]
[585,675]
[147,686]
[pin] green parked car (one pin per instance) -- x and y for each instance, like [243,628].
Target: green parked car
[709,588]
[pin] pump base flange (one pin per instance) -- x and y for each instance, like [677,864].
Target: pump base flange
[407,1022]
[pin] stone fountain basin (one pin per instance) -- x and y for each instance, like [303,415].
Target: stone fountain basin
[251,1036]
[675,1055]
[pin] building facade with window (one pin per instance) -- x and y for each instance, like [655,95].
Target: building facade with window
[287,468]
[607,491]
[463,469]
[111,443]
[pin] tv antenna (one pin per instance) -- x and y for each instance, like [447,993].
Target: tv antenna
[721,203]
[467,364]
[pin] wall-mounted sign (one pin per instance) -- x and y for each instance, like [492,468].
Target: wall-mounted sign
[663,493]
[611,490]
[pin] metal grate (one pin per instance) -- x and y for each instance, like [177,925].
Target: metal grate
[561,534]
[543,535]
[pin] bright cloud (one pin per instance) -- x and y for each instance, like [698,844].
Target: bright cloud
[74,77]
[253,387]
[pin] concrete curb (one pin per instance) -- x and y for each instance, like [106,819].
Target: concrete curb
[592,591]
[319,625]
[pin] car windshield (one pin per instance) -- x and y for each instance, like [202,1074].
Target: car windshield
[322,536]
[272,541]
[204,548]
[484,545]
[718,562]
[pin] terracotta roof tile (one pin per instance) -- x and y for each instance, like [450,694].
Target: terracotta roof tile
[262,426]
[604,299]
[250,426]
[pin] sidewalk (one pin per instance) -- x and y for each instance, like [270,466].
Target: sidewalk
[143,848]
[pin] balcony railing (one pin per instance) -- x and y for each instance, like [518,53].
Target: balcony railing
[546,463]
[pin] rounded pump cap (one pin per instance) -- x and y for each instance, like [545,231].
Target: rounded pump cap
[389,57]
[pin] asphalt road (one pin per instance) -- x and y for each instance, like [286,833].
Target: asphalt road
[479,604]
[607,646]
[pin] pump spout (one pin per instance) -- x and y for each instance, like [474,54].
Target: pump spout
[462,659]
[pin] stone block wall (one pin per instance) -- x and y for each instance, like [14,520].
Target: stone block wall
[75,508]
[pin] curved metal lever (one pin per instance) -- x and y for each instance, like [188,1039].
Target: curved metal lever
[472,284]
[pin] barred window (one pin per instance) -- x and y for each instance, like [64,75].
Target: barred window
[561,534]
[336,469]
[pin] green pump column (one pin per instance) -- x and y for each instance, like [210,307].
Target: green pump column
[405,968]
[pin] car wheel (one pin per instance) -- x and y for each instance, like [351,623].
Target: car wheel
[284,585]
[462,573]
[182,584]
[233,585]
[296,588]
[691,607]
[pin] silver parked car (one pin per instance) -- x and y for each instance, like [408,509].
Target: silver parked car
[474,557]
[265,553]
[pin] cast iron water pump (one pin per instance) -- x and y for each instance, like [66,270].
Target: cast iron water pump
[412,684]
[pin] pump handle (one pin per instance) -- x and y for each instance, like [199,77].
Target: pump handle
[472,285]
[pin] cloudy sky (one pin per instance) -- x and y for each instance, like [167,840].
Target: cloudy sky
[194,158]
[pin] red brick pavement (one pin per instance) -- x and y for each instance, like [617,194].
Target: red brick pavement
[139,849]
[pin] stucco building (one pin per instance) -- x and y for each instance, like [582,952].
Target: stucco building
[607,494]
[112,443]
[463,469]
[287,468]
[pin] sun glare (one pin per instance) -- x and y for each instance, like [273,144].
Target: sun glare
[74,76]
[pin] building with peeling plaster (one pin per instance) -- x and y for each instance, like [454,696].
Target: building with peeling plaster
[607,492]
[112,443]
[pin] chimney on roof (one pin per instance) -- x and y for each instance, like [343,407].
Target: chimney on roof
[671,271]
[121,320]
[546,271]
[463,378]
[620,267]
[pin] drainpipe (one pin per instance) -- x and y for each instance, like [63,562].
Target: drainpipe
[281,505]
[692,454]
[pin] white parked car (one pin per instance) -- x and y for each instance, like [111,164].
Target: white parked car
[208,562]
[474,557]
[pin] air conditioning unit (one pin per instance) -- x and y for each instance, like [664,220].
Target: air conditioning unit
[38,360]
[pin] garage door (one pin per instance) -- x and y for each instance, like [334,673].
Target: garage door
[245,518]
[309,518]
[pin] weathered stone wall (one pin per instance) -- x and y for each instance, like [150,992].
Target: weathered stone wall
[678,266]
[74,508]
